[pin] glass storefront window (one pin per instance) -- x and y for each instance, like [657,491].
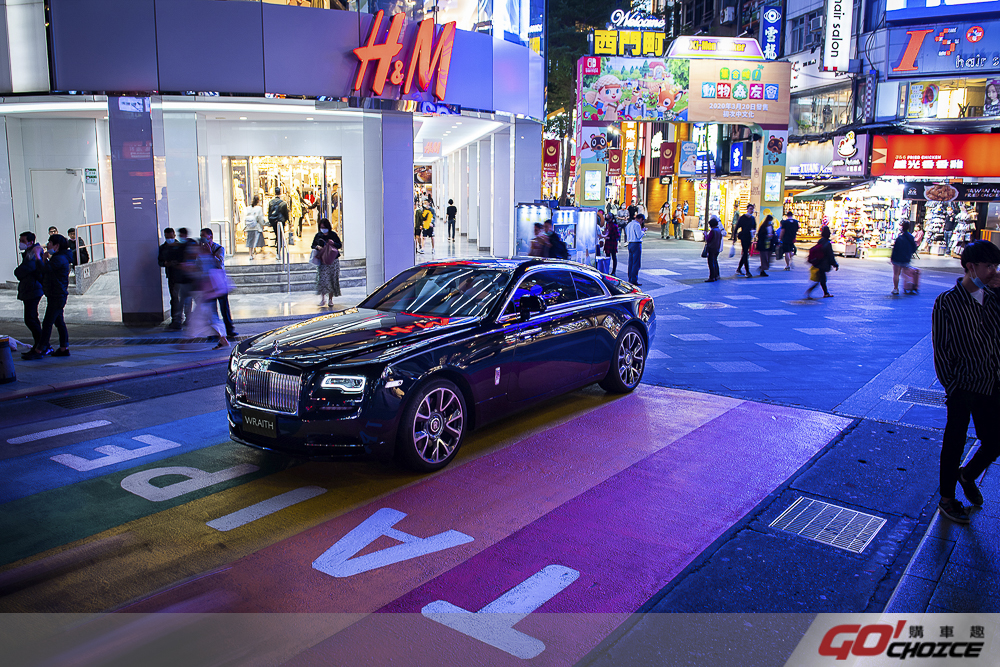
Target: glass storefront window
[956,98]
[820,112]
[310,186]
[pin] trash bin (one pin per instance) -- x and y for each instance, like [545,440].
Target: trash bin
[7,373]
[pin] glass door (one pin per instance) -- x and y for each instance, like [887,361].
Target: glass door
[333,204]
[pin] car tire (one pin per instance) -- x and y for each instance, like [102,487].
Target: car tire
[432,427]
[628,362]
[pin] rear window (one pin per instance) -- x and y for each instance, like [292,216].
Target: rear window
[618,286]
[586,287]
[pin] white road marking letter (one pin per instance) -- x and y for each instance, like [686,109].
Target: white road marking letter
[494,623]
[265,507]
[114,454]
[41,435]
[197,479]
[337,562]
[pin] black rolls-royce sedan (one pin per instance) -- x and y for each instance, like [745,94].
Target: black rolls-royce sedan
[440,349]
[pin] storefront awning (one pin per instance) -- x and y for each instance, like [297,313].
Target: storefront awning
[822,192]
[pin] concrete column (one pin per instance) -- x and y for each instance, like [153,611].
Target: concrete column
[462,200]
[8,232]
[485,238]
[472,204]
[527,161]
[134,143]
[395,182]
[503,193]
[371,138]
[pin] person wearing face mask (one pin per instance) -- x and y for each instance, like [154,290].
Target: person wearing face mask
[55,284]
[327,245]
[170,257]
[29,288]
[221,296]
[903,250]
[965,330]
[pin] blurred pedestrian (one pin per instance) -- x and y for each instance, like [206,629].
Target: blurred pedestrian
[55,284]
[611,242]
[540,242]
[209,283]
[903,250]
[253,225]
[821,258]
[635,230]
[29,289]
[765,235]
[74,245]
[221,291]
[186,286]
[918,237]
[327,245]
[787,231]
[713,246]
[744,230]
[171,257]
[428,226]
[965,329]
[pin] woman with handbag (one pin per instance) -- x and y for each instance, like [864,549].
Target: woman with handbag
[253,225]
[326,248]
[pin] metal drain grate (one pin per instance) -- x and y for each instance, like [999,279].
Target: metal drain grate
[829,524]
[87,399]
[923,397]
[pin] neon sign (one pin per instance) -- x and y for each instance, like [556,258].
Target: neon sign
[426,57]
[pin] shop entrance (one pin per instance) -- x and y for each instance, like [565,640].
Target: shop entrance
[310,186]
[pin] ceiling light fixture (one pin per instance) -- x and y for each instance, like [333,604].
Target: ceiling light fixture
[243,117]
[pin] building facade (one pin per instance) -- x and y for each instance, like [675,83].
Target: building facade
[123,117]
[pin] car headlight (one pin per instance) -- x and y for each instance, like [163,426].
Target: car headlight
[347,384]
[233,362]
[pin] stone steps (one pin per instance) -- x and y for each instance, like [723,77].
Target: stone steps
[267,278]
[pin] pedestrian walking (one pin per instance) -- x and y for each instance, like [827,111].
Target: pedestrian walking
[74,246]
[556,246]
[765,235]
[171,258]
[918,237]
[428,225]
[186,286]
[209,282]
[451,212]
[418,228]
[713,246]
[821,258]
[746,226]
[678,221]
[903,250]
[277,215]
[55,285]
[29,289]
[787,232]
[611,242]
[327,247]
[965,329]
[664,220]
[220,282]
[632,210]
[253,225]
[635,230]
[540,242]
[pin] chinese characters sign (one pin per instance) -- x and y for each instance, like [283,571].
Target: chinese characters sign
[628,43]
[740,48]
[947,155]
[770,32]
[668,150]
[614,89]
[550,157]
[730,91]
[952,191]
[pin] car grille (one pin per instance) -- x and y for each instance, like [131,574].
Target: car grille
[269,390]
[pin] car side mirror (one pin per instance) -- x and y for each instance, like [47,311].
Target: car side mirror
[530,305]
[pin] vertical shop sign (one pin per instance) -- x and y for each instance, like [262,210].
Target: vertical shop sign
[615,162]
[426,57]
[850,155]
[736,157]
[688,158]
[837,45]
[668,150]
[550,157]
[572,166]
[770,32]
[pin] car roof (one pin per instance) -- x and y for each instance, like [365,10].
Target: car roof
[511,263]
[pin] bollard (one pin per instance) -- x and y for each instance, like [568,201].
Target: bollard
[7,373]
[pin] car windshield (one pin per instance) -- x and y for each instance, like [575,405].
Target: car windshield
[450,290]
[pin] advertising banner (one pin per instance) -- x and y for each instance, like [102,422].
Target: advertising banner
[945,155]
[952,191]
[733,92]
[837,45]
[614,89]
[615,162]
[550,157]
[909,10]
[922,100]
[850,155]
[668,151]
[770,32]
[595,140]
[969,48]
[703,46]
[991,104]
[688,159]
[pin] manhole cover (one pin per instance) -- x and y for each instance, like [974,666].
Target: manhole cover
[923,397]
[829,524]
[87,399]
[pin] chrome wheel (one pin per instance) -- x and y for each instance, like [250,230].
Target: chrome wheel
[631,358]
[438,425]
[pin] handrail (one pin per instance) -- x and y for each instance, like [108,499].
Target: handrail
[108,243]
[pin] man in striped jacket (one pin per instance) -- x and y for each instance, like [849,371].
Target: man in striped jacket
[966,334]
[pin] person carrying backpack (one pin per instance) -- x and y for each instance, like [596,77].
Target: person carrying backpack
[277,215]
[557,247]
[821,258]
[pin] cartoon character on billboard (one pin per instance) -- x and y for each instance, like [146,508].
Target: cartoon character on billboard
[599,145]
[604,96]
[667,99]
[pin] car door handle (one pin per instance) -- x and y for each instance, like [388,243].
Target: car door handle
[530,333]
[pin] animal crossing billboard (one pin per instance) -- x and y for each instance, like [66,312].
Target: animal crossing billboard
[682,90]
